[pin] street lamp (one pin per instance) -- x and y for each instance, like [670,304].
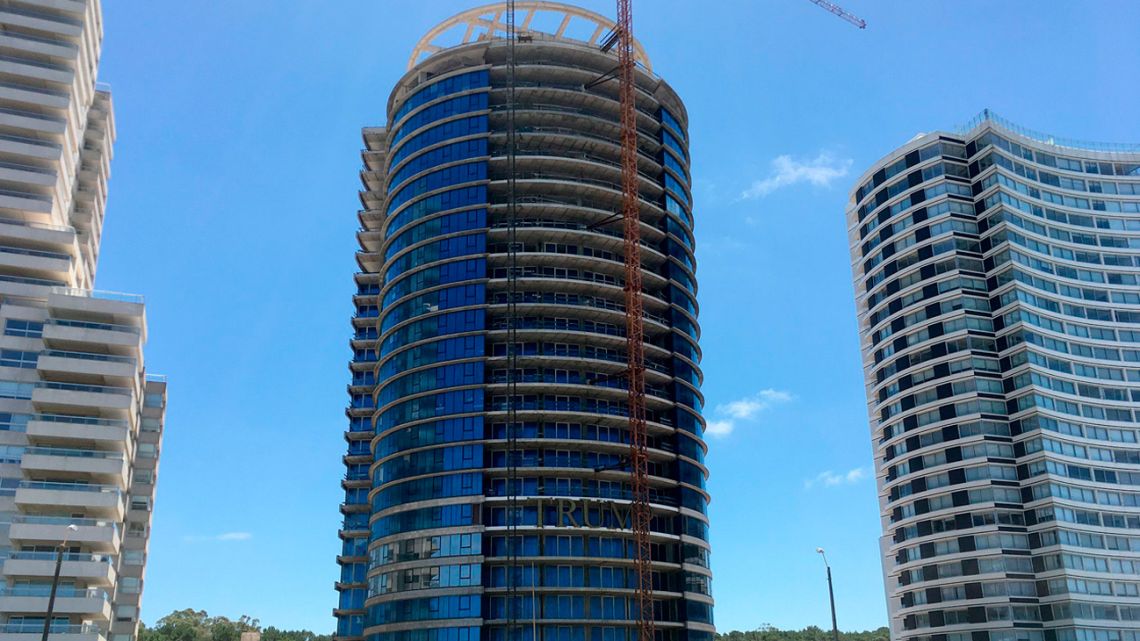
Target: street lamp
[71,529]
[830,594]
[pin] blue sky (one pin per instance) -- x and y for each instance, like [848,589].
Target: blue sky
[233,203]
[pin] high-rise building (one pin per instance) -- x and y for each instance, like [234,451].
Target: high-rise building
[426,534]
[997,277]
[80,421]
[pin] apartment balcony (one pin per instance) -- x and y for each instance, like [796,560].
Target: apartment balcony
[24,200]
[69,431]
[50,396]
[42,21]
[60,463]
[111,368]
[32,121]
[59,632]
[14,172]
[29,147]
[95,534]
[36,69]
[92,569]
[102,500]
[45,264]
[93,604]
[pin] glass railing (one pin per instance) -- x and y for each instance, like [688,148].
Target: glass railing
[24,194]
[79,387]
[63,592]
[53,17]
[31,114]
[73,453]
[50,556]
[31,141]
[80,420]
[40,519]
[89,356]
[64,322]
[34,627]
[70,487]
[96,293]
[156,378]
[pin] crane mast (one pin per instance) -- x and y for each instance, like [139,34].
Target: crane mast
[640,511]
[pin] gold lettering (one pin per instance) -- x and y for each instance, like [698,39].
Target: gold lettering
[621,518]
[565,508]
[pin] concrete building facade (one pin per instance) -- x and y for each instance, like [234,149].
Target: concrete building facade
[80,420]
[997,279]
[426,534]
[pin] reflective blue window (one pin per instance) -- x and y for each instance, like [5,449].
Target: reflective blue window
[668,119]
[459,296]
[452,323]
[673,144]
[450,223]
[439,111]
[441,250]
[674,207]
[466,484]
[454,375]
[439,88]
[442,404]
[439,156]
[445,131]
[444,350]
[453,272]
[423,519]
[440,607]
[674,164]
[675,185]
[453,199]
[449,430]
[458,174]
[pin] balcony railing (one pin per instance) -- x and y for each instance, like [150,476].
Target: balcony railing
[62,451]
[50,556]
[64,322]
[95,293]
[37,519]
[79,387]
[80,420]
[33,627]
[89,356]
[70,487]
[64,591]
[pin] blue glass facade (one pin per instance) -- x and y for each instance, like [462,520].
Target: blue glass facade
[426,553]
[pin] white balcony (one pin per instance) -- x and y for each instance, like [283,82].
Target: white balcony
[31,529]
[58,632]
[50,396]
[59,463]
[42,21]
[70,335]
[52,429]
[91,569]
[90,604]
[119,370]
[102,500]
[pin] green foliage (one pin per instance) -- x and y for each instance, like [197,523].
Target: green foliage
[810,633]
[197,625]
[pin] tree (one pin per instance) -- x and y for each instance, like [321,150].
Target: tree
[198,625]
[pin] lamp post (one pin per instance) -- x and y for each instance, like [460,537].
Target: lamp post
[830,594]
[71,529]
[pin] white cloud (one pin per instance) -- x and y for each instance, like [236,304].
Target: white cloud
[225,536]
[787,171]
[744,409]
[719,428]
[832,479]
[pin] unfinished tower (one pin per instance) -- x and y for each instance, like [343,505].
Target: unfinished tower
[459,334]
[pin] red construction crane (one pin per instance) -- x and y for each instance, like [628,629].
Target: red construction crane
[641,513]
